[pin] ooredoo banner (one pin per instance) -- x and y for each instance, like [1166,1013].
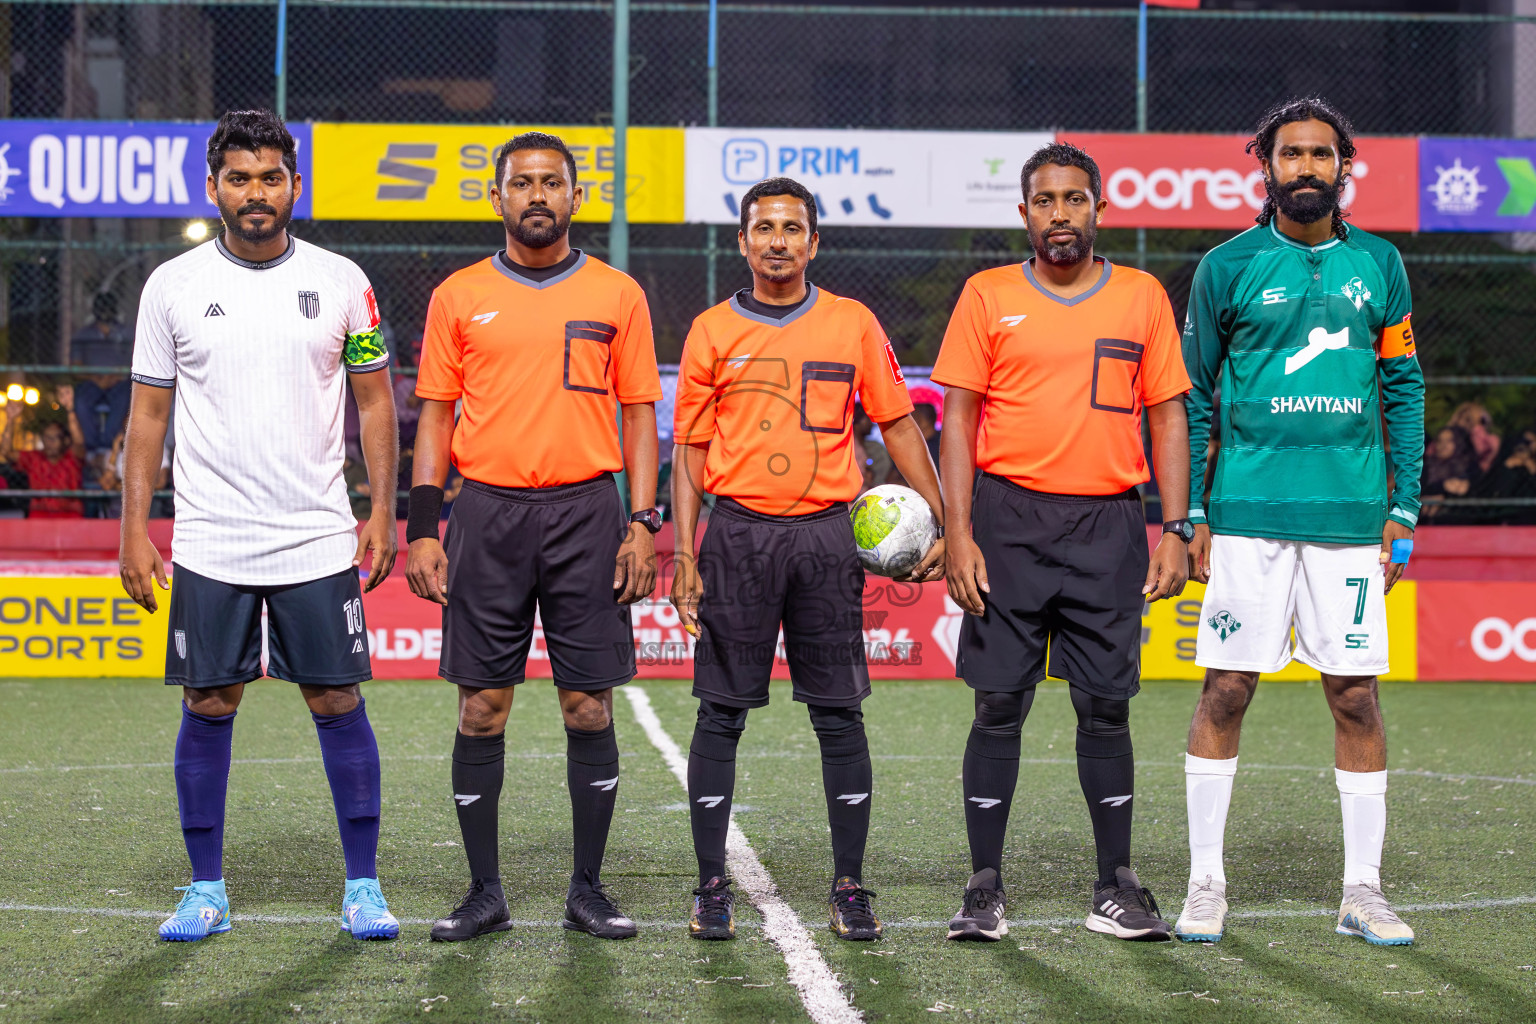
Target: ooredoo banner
[1209,181]
[1477,630]
[114,168]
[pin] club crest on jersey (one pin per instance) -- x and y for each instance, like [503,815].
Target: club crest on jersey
[309,305]
[1356,291]
[1224,624]
[181,644]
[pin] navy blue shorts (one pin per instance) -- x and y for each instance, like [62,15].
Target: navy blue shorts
[315,632]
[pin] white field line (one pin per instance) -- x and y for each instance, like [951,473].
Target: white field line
[1406,772]
[1038,922]
[822,996]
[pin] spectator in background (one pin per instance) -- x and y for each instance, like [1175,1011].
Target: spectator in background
[871,456]
[407,403]
[57,466]
[1450,469]
[1473,418]
[927,417]
[101,399]
[1513,476]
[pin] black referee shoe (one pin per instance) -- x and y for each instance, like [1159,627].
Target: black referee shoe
[852,917]
[589,909]
[714,916]
[1126,910]
[981,912]
[482,910]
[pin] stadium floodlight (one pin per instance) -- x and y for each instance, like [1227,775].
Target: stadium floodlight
[14,392]
[31,396]
[195,231]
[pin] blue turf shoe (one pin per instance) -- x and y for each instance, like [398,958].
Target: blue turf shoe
[202,912]
[364,912]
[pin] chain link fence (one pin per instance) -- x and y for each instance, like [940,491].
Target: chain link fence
[779,65]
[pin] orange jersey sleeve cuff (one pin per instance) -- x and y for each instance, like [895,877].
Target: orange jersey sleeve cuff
[1397,340]
[641,398]
[950,381]
[434,395]
[1158,398]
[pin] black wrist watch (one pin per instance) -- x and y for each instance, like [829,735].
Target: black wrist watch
[1181,528]
[649,518]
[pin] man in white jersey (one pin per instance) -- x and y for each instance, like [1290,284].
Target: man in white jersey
[254,334]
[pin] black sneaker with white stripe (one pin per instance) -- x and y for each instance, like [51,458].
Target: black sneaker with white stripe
[1127,910]
[981,912]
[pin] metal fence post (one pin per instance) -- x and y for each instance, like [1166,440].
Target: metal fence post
[280,100]
[1141,112]
[713,66]
[618,231]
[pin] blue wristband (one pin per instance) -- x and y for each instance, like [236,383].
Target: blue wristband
[1401,549]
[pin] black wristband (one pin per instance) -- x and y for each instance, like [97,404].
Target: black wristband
[425,507]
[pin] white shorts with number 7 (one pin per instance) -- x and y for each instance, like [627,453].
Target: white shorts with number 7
[1330,593]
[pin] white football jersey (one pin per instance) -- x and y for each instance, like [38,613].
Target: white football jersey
[258,354]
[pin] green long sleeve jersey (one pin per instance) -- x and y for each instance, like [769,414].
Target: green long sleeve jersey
[1312,344]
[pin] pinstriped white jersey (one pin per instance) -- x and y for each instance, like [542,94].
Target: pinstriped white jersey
[258,355]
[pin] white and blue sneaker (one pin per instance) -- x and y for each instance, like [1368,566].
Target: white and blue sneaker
[1366,913]
[1205,911]
[364,913]
[202,912]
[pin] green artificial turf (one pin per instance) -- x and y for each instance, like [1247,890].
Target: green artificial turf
[88,820]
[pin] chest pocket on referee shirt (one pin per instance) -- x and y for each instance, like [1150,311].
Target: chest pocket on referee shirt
[1116,365]
[588,355]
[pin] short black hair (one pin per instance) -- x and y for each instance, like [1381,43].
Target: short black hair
[778,187]
[1305,108]
[251,130]
[1062,154]
[533,140]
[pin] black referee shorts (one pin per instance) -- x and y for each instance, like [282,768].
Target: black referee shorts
[760,571]
[315,632]
[1066,574]
[511,549]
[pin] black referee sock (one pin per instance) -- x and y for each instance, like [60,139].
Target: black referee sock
[1106,769]
[479,764]
[712,783]
[848,780]
[592,775]
[990,772]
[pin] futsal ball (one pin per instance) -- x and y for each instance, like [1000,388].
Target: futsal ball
[893,528]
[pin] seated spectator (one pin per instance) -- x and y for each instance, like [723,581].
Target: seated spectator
[112,473]
[1513,476]
[101,399]
[873,460]
[927,416]
[1478,423]
[1450,469]
[57,467]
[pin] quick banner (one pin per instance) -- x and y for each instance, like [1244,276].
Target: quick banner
[115,169]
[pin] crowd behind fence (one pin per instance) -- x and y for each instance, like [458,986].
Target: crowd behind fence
[476,61]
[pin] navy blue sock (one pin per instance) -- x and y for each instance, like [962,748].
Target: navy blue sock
[351,758]
[202,780]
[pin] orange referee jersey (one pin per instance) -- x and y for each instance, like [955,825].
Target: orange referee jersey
[1065,380]
[774,400]
[539,365]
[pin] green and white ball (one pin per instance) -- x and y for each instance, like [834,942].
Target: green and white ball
[893,528]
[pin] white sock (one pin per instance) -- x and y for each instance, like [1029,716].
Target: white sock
[1363,800]
[1207,794]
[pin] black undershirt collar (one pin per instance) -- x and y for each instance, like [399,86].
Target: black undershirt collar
[745,299]
[539,273]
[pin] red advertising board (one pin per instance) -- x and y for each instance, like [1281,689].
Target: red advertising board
[1480,630]
[1208,181]
[909,632]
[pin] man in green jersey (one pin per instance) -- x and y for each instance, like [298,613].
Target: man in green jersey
[1300,317]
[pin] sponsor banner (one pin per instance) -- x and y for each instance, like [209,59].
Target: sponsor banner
[78,626]
[1209,181]
[879,178]
[1484,630]
[444,171]
[1477,184]
[114,169]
